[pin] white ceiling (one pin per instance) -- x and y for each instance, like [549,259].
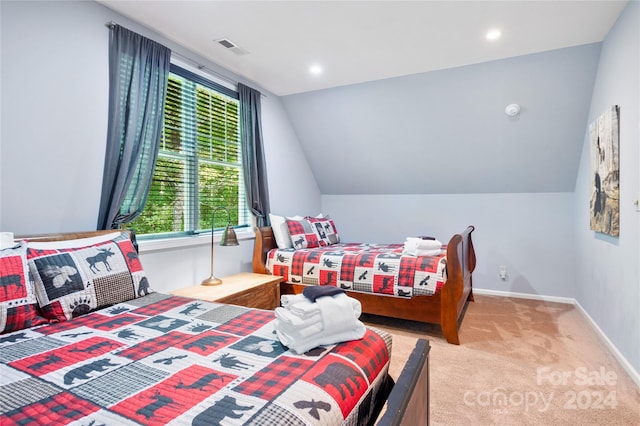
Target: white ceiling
[358,41]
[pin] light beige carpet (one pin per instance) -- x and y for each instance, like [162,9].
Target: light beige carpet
[520,362]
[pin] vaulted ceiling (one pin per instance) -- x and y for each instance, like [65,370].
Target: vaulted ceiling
[446,131]
[412,95]
[357,41]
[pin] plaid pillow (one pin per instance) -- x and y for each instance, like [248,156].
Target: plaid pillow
[303,235]
[18,304]
[73,281]
[280,230]
[325,229]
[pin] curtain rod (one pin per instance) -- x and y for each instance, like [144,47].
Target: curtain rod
[204,68]
[111,25]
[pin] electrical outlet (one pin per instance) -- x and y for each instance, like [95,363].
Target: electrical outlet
[503,272]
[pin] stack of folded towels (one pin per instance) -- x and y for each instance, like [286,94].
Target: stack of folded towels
[322,315]
[422,246]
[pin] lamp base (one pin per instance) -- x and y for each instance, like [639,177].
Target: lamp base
[211,281]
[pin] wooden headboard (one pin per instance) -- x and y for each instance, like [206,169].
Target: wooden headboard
[63,236]
[265,241]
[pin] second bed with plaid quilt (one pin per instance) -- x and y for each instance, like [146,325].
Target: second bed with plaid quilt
[368,268]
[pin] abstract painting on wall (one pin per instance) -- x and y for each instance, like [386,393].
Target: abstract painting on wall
[605,173]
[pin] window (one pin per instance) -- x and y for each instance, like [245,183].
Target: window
[199,166]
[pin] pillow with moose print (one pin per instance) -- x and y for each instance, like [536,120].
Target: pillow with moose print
[325,229]
[312,232]
[70,282]
[303,235]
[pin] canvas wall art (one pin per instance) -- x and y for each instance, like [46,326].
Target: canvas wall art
[605,173]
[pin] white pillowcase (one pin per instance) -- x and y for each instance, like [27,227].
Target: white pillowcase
[281,231]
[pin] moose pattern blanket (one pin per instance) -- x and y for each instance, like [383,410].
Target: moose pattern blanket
[368,268]
[163,359]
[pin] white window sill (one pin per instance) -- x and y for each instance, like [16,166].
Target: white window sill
[149,246]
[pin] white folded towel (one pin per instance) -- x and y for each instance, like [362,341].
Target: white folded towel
[304,308]
[303,330]
[292,324]
[418,252]
[419,243]
[418,247]
[338,312]
[302,345]
[289,318]
[302,325]
[300,334]
[289,299]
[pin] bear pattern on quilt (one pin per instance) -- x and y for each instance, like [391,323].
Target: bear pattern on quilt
[158,359]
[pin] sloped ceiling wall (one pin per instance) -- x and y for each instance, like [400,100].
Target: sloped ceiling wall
[446,132]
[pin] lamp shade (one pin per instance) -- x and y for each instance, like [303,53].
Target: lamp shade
[229,237]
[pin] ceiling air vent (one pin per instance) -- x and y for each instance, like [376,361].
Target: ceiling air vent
[229,45]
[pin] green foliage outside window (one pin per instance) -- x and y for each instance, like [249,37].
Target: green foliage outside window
[199,166]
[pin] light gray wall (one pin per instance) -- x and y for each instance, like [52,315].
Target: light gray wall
[54,104]
[292,185]
[54,115]
[530,234]
[607,271]
[446,132]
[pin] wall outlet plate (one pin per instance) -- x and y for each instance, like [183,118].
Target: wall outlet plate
[503,272]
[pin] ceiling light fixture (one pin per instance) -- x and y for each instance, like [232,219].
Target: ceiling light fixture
[493,34]
[315,69]
[512,110]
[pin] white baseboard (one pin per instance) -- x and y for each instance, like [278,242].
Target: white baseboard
[614,350]
[569,300]
[635,376]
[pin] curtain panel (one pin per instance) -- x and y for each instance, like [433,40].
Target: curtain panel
[255,172]
[138,73]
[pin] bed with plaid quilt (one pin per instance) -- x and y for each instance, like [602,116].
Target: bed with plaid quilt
[163,359]
[367,268]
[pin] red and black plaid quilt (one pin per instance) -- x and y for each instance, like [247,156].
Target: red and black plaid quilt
[367,268]
[165,359]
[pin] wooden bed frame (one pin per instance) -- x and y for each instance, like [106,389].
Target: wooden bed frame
[408,396]
[443,308]
[408,402]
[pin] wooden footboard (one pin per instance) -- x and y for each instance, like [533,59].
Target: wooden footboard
[408,402]
[458,289]
[443,308]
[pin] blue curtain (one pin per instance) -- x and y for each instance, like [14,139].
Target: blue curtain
[255,171]
[138,72]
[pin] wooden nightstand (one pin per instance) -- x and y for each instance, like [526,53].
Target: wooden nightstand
[245,289]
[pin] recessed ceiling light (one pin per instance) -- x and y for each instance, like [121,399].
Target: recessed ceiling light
[315,69]
[493,34]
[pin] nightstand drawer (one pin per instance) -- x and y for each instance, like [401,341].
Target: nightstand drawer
[263,297]
[245,289]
